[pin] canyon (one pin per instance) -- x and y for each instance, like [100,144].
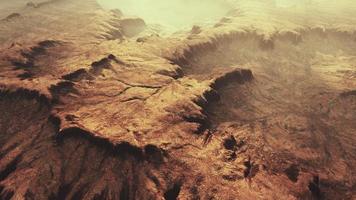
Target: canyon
[95,104]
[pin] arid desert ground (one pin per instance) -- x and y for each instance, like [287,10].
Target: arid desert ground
[223,100]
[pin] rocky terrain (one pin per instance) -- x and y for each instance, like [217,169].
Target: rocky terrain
[97,105]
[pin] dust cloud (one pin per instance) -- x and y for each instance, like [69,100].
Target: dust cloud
[179,14]
[176,14]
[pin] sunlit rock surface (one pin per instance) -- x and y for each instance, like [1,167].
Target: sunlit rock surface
[97,105]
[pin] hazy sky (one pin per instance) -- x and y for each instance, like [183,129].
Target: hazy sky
[185,13]
[176,13]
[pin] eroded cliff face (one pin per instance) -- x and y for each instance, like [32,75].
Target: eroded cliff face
[95,105]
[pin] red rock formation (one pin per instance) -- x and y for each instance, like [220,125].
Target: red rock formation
[236,111]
